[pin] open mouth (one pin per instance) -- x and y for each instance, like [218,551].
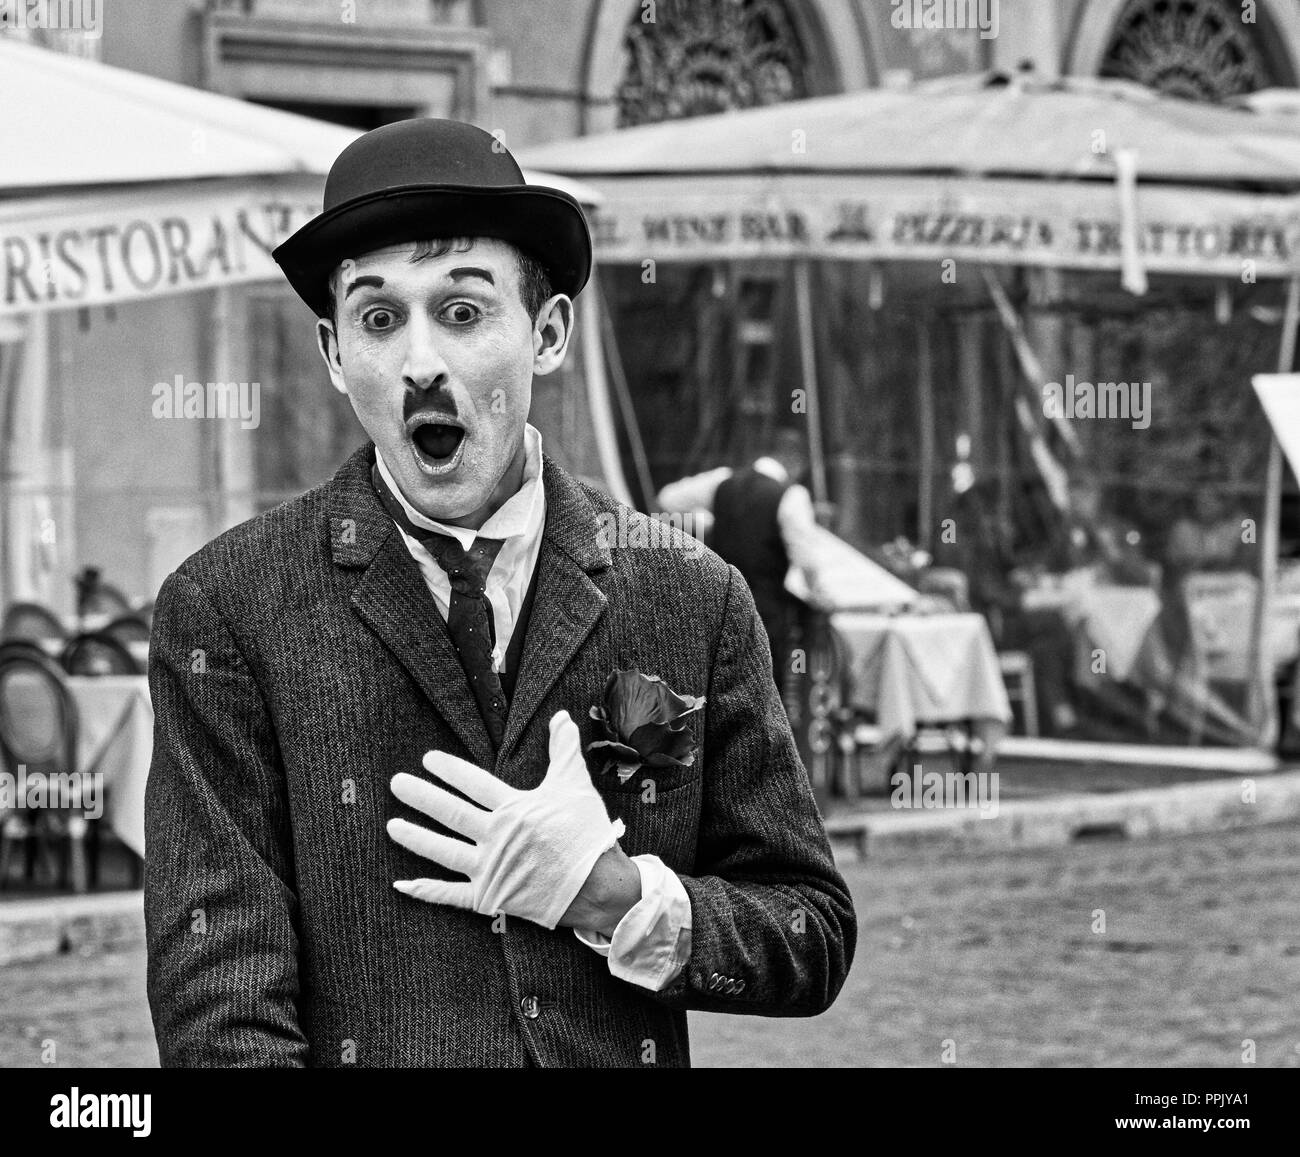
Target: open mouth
[438,444]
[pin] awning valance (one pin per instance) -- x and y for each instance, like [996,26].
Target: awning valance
[63,252]
[862,218]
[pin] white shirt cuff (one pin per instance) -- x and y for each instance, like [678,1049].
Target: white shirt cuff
[652,942]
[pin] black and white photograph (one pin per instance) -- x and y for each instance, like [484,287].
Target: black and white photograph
[650,534]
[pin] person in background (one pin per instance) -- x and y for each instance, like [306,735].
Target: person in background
[1093,537]
[760,519]
[1208,538]
[985,550]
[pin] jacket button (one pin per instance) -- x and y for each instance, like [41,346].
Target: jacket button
[531,1007]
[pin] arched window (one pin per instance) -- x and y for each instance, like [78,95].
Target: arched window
[691,57]
[1196,49]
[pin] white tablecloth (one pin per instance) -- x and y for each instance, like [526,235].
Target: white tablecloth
[115,739]
[915,669]
[1116,620]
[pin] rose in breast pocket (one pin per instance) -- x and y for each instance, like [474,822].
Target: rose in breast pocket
[644,724]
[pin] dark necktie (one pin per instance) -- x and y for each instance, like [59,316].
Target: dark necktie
[469,616]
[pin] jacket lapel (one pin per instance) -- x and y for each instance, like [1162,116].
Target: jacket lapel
[391,599]
[567,604]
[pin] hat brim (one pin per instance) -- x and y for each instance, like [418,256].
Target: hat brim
[546,223]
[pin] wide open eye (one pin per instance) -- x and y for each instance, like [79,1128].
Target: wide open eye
[380,318]
[460,313]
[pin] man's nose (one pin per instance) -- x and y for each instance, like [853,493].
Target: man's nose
[424,367]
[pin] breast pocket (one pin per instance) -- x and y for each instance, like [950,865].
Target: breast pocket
[646,780]
[660,810]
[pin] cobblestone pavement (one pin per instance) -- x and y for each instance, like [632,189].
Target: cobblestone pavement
[995,953]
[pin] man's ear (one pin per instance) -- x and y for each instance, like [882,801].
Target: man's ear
[327,342]
[551,333]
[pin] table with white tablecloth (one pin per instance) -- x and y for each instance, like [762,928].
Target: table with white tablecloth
[115,740]
[914,670]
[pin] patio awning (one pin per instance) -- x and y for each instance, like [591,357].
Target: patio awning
[116,186]
[1011,171]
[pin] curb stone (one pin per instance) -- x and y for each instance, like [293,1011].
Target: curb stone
[35,929]
[1178,809]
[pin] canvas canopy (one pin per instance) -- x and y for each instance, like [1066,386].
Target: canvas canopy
[116,186]
[993,169]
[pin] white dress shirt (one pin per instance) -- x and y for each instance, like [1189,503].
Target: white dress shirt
[652,942]
[518,524]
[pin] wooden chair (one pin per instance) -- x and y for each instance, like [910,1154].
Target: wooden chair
[12,648]
[31,621]
[104,599]
[38,733]
[97,653]
[128,629]
[946,583]
[1018,674]
[1220,611]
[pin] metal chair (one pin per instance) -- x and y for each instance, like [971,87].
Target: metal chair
[38,733]
[947,584]
[12,648]
[105,600]
[97,653]
[31,621]
[128,629]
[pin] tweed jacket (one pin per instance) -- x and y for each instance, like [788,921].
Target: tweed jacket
[299,662]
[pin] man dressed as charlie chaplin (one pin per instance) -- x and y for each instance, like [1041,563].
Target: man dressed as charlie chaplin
[443,773]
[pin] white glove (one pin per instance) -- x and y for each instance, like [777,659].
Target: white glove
[532,850]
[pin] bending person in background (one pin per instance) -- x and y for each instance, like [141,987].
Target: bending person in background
[760,520]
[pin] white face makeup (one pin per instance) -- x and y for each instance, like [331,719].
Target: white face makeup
[437,357]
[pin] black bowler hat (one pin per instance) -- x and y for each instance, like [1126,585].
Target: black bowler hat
[429,178]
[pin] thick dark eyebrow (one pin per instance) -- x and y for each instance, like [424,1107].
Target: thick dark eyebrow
[471,271]
[362,282]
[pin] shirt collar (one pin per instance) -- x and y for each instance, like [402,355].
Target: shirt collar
[515,517]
